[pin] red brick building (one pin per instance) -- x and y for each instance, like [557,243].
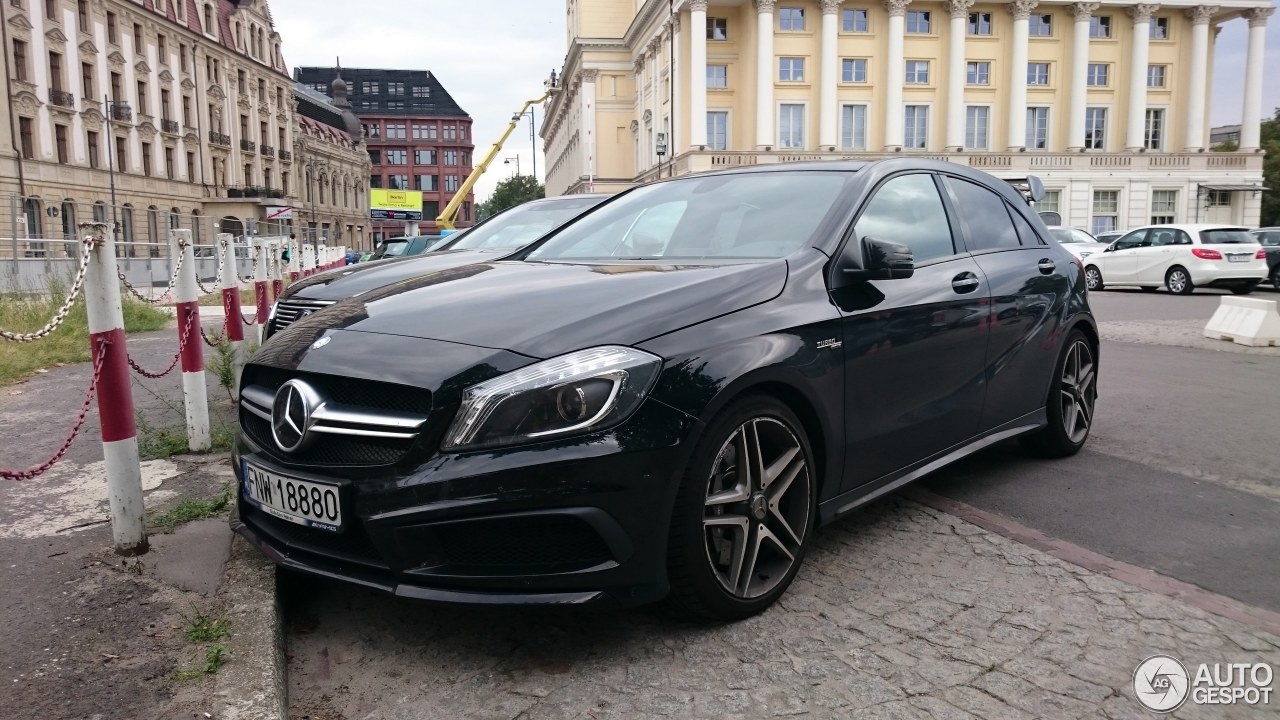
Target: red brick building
[418,137]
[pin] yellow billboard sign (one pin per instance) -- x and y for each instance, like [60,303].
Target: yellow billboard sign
[395,204]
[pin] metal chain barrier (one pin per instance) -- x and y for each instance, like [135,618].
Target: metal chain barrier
[182,338]
[217,280]
[134,291]
[67,304]
[212,342]
[75,429]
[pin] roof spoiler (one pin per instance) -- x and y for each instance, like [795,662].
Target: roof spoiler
[1030,187]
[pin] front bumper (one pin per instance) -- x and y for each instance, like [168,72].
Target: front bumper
[570,522]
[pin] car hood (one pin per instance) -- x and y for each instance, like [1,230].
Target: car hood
[349,281]
[543,309]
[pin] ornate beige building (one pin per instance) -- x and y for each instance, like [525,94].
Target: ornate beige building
[1108,102]
[185,106]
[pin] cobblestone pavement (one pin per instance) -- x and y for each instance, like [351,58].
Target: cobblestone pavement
[901,611]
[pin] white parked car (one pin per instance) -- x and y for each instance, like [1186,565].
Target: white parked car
[1076,241]
[1181,258]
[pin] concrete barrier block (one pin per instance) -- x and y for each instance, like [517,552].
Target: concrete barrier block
[1245,321]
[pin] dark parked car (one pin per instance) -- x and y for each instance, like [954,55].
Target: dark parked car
[1269,239]
[406,245]
[496,236]
[668,395]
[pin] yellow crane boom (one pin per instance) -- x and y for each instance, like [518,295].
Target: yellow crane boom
[444,221]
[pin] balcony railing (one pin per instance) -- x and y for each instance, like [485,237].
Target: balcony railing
[169,126]
[62,98]
[253,191]
[267,151]
[122,113]
[248,146]
[218,138]
[285,154]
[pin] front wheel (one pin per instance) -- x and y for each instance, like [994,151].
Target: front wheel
[1275,278]
[1072,398]
[1178,280]
[1245,288]
[1093,278]
[744,512]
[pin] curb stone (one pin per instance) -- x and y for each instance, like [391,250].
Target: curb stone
[252,685]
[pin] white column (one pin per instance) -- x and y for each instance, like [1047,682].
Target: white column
[830,75]
[1134,136]
[697,74]
[1017,122]
[765,70]
[588,106]
[1251,119]
[894,74]
[1082,11]
[1198,78]
[959,10]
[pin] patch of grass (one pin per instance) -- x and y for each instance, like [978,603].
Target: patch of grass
[155,443]
[223,366]
[248,299]
[214,659]
[221,436]
[202,628]
[189,510]
[70,342]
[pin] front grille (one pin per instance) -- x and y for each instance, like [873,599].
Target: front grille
[333,450]
[368,394]
[539,543]
[288,311]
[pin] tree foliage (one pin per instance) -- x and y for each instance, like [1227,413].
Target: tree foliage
[1271,170]
[509,193]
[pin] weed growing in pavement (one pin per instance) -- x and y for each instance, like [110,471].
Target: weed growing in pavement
[223,365]
[155,443]
[189,510]
[204,628]
[214,659]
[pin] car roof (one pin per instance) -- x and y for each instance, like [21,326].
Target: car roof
[1191,227]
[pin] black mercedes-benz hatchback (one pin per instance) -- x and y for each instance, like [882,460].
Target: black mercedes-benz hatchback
[668,395]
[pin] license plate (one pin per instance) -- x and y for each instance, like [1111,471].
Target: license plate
[1239,258]
[297,501]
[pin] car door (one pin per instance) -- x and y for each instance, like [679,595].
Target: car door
[1029,282]
[1159,253]
[1119,264]
[914,347]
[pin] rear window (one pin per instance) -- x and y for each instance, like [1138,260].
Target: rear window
[1071,235]
[1226,236]
[391,249]
[1270,238]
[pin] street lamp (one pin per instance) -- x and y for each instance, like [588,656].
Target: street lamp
[533,145]
[114,106]
[507,161]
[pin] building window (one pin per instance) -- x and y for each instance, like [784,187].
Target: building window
[1095,126]
[375,181]
[450,132]
[450,157]
[1051,202]
[182,57]
[1164,204]
[917,72]
[1098,74]
[396,131]
[451,183]
[146,159]
[915,126]
[1159,28]
[976,122]
[717,28]
[369,88]
[1037,73]
[979,23]
[82,15]
[1156,75]
[422,91]
[55,70]
[191,168]
[397,157]
[375,156]
[978,73]
[918,21]
[1038,127]
[86,81]
[1219,198]
[854,20]
[142,98]
[208,19]
[165,101]
[466,159]
[162,50]
[717,76]
[122,154]
[791,126]
[60,141]
[717,130]
[117,89]
[372,130]
[428,183]
[791,19]
[791,69]
[1106,211]
[113,29]
[853,127]
[1040,25]
[91,142]
[853,70]
[395,88]
[169,169]
[1100,26]
[1153,133]
[138,43]
[424,157]
[20,60]
[398,181]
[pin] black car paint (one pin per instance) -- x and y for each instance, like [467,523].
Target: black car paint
[722,330]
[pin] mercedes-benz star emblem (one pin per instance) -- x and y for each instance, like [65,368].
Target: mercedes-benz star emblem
[291,414]
[321,342]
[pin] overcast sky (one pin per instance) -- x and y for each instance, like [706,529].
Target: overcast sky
[492,55]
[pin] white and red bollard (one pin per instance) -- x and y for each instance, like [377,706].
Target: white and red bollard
[187,294]
[234,324]
[261,285]
[115,395]
[275,248]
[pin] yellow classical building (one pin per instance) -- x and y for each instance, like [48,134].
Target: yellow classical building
[1107,102]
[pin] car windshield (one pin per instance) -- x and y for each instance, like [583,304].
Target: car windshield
[392,248]
[1226,236]
[1071,235]
[749,215]
[523,224]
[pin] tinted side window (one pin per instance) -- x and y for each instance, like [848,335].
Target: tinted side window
[908,210]
[983,211]
[1137,238]
[1026,233]
[1270,238]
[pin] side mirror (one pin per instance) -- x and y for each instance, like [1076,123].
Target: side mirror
[1109,248]
[883,260]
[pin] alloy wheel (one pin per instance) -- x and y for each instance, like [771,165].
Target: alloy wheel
[1093,278]
[1177,281]
[1078,392]
[756,513]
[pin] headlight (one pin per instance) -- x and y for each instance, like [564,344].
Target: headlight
[1085,253]
[584,390]
[271,316]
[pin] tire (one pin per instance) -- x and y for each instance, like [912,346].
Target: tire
[1073,396]
[709,542]
[1178,280]
[1245,288]
[1093,278]
[1149,288]
[1275,278]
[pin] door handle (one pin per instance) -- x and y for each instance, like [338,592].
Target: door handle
[965,282]
[1046,266]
